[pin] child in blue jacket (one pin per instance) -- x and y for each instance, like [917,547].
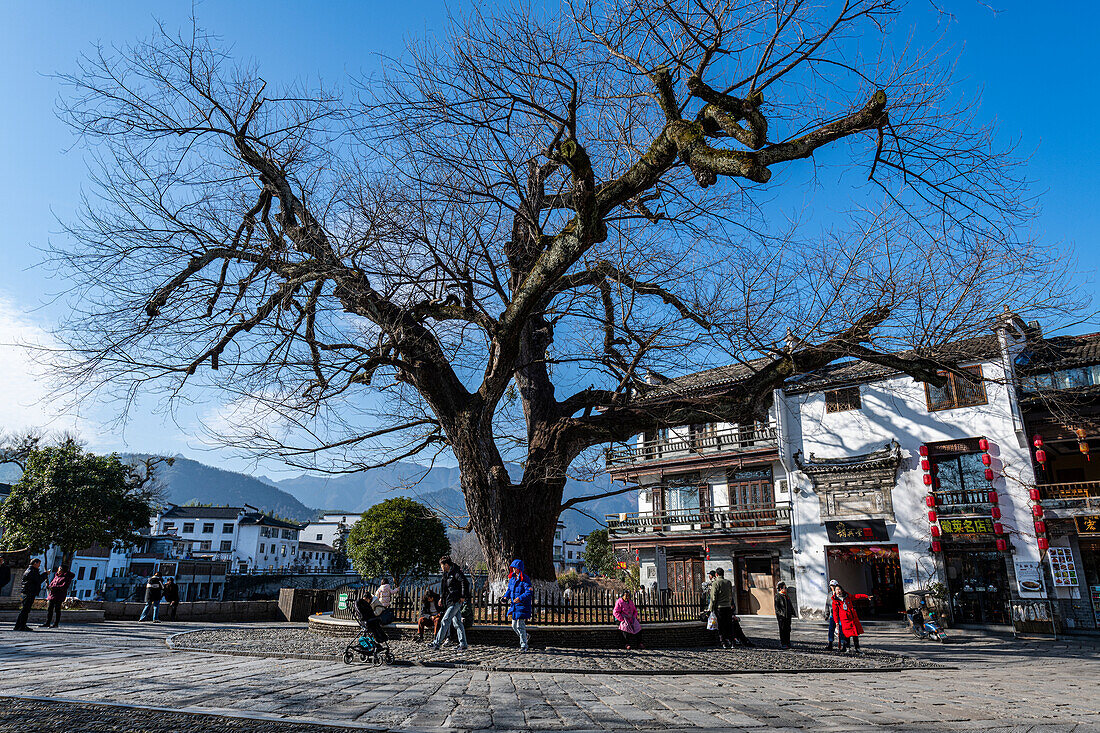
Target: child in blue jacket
[519,594]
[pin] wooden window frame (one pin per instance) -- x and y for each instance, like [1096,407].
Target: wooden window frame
[846,405]
[982,399]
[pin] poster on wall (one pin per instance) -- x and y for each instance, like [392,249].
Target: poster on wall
[1062,567]
[1029,580]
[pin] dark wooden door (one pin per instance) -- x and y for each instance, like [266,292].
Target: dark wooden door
[685,575]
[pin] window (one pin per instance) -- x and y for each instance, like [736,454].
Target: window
[208,528]
[91,573]
[957,392]
[227,546]
[288,534]
[188,527]
[204,545]
[842,400]
[169,527]
[261,548]
[320,537]
[961,480]
[87,594]
[80,573]
[284,550]
[227,528]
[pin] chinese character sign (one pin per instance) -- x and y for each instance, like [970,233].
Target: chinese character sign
[1088,525]
[970,525]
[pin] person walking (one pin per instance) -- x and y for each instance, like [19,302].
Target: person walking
[721,605]
[627,615]
[32,586]
[520,595]
[454,589]
[844,611]
[831,617]
[154,591]
[172,597]
[56,591]
[430,613]
[784,612]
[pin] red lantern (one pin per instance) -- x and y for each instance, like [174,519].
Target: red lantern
[1040,526]
[930,500]
[995,512]
[935,530]
[931,517]
[1034,494]
[1002,545]
[989,474]
[1043,544]
[998,528]
[924,450]
[987,459]
[983,444]
[937,546]
[1037,441]
[927,480]
[1037,511]
[992,497]
[1041,456]
[925,465]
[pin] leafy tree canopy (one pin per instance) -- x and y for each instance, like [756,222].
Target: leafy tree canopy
[398,537]
[74,499]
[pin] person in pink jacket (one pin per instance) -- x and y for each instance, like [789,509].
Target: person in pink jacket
[626,613]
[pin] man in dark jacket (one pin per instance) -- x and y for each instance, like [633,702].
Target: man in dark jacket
[784,612]
[33,578]
[454,589]
[172,597]
[154,591]
[721,604]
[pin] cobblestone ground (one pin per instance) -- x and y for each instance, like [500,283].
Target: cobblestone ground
[767,657]
[998,684]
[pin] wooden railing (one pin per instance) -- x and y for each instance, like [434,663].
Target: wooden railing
[733,519]
[577,607]
[727,440]
[1070,490]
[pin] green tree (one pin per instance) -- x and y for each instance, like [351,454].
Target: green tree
[398,537]
[599,557]
[74,499]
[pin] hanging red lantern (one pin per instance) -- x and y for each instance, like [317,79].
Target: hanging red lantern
[930,501]
[998,528]
[925,465]
[1037,510]
[937,546]
[1002,545]
[1043,544]
[987,459]
[989,474]
[1041,456]
[935,530]
[995,512]
[1034,494]
[1040,526]
[993,497]
[983,444]
[927,480]
[931,517]
[1037,441]
[924,450]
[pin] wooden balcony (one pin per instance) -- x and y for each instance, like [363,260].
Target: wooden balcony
[720,520]
[1071,499]
[761,438]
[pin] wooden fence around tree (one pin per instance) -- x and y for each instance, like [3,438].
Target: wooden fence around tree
[578,607]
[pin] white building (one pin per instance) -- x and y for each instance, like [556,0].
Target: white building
[330,526]
[248,539]
[314,557]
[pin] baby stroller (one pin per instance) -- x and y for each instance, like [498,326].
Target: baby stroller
[372,639]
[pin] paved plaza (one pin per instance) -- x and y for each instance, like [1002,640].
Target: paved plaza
[77,678]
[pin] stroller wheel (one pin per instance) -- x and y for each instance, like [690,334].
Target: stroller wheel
[378,660]
[389,657]
[362,656]
[348,657]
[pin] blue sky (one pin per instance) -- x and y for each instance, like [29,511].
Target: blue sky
[1035,65]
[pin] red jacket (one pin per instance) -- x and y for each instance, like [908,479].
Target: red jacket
[844,611]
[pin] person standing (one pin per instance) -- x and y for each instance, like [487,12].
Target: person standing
[32,586]
[520,594]
[172,597]
[784,612]
[627,615]
[721,604]
[844,611]
[454,589]
[56,592]
[832,618]
[154,591]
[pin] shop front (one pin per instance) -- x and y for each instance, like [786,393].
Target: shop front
[977,576]
[1088,541]
[864,562]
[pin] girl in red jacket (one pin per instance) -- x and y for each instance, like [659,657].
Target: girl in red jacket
[844,611]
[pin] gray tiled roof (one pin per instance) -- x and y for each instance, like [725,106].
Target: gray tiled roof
[203,512]
[314,547]
[258,518]
[1060,352]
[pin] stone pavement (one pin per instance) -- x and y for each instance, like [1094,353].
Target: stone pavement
[999,685]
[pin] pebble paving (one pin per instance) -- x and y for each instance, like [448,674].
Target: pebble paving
[767,657]
[989,683]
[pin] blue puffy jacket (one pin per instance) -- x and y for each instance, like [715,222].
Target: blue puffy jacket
[519,592]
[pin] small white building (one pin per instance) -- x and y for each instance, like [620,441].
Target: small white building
[314,557]
[243,536]
[329,527]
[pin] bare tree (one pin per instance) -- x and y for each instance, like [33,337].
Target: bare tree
[488,249]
